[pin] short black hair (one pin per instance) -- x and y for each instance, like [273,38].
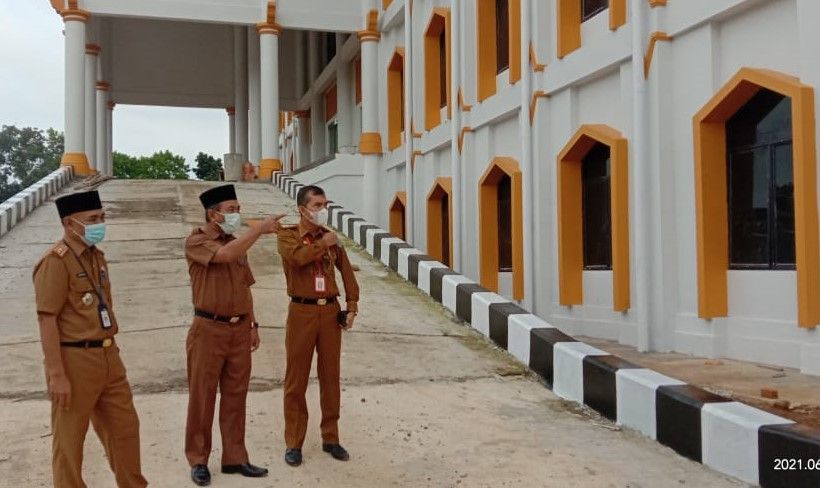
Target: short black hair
[306,192]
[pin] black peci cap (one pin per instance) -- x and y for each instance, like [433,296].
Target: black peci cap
[78,202]
[217,195]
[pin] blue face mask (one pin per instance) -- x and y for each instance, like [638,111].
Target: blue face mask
[232,222]
[94,233]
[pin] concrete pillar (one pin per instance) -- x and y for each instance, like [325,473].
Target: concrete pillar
[231,129]
[240,86]
[299,66]
[317,127]
[109,121]
[254,101]
[75,149]
[269,67]
[92,52]
[409,214]
[314,50]
[527,169]
[303,138]
[455,131]
[370,141]
[344,100]
[101,129]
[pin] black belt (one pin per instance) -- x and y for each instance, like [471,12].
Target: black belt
[313,301]
[86,344]
[228,319]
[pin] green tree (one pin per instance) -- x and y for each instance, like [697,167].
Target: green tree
[207,167]
[162,165]
[27,155]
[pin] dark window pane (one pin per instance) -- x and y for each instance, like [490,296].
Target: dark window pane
[597,225]
[401,105]
[591,7]
[761,184]
[333,138]
[749,207]
[783,206]
[505,224]
[445,230]
[502,35]
[442,66]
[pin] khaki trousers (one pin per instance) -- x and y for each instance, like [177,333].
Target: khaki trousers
[309,328]
[100,393]
[219,355]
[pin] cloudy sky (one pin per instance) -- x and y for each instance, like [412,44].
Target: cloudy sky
[32,88]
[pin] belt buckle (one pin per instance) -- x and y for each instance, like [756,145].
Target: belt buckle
[321,301]
[234,319]
[107,342]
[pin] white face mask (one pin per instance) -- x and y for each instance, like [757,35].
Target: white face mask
[319,217]
[231,223]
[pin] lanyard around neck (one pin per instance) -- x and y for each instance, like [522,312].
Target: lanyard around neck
[97,288]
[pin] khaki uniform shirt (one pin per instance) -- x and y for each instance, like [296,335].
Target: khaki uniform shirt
[218,288]
[62,288]
[301,250]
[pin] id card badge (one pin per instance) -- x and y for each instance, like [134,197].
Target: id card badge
[319,284]
[105,319]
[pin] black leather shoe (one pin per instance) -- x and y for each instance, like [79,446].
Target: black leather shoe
[337,451]
[293,457]
[200,475]
[247,469]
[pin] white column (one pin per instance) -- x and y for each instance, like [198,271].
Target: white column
[109,121]
[370,142]
[344,100]
[75,89]
[89,85]
[409,213]
[639,169]
[527,174]
[231,129]
[269,67]
[455,131]
[254,100]
[240,86]
[101,129]
[317,127]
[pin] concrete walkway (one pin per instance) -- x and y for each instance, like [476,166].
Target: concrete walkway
[425,402]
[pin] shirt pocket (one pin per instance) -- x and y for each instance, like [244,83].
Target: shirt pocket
[81,293]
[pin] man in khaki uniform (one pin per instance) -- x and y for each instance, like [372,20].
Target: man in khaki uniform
[86,377]
[309,255]
[223,334]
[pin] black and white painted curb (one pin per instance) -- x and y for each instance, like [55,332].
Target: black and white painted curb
[728,436]
[13,210]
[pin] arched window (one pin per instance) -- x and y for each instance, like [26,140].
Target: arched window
[397,206]
[395,99]
[498,31]
[439,221]
[436,67]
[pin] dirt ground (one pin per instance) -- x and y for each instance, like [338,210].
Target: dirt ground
[426,401]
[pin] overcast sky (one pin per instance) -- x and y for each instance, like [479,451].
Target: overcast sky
[32,88]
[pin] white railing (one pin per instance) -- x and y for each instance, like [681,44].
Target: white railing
[13,210]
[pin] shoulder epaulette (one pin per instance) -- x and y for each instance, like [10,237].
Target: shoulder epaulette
[60,249]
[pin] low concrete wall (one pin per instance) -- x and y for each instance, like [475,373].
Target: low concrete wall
[13,210]
[728,436]
[341,178]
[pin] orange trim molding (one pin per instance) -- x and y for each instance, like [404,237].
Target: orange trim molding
[568,13]
[93,49]
[416,134]
[464,130]
[536,66]
[464,106]
[657,3]
[395,98]
[371,30]
[442,188]
[650,50]
[231,110]
[533,103]
[486,39]
[711,192]
[439,22]
[269,166]
[79,161]
[370,143]
[617,14]
[103,86]
[514,26]
[570,215]
[330,102]
[416,154]
[397,207]
[488,225]
[269,26]
[386,3]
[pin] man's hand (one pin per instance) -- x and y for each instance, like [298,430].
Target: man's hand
[351,316]
[255,340]
[271,224]
[59,390]
[330,239]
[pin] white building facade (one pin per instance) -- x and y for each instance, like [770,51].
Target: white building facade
[637,170]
